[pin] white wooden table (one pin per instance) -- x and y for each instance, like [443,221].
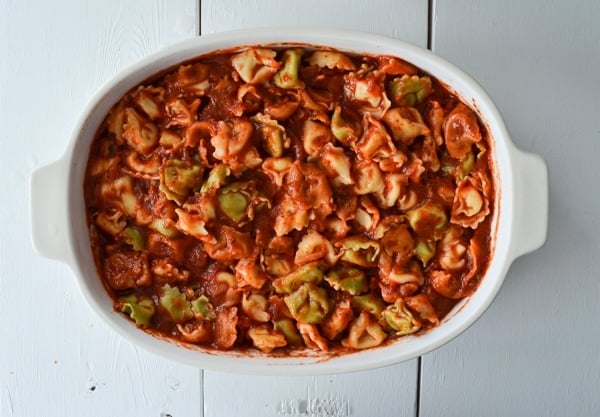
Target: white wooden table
[535,352]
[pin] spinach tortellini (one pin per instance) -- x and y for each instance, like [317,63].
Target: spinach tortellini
[140,309]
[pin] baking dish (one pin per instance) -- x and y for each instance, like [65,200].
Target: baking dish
[60,229]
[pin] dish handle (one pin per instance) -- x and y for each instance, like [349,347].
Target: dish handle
[48,211]
[530,222]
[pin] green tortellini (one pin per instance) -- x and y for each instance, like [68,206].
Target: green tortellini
[134,237]
[342,130]
[217,177]
[274,138]
[399,318]
[287,77]
[287,327]
[238,200]
[425,250]
[360,250]
[140,309]
[309,273]
[465,166]
[178,178]
[427,218]
[234,203]
[176,304]
[162,226]
[202,308]
[348,279]
[308,304]
[369,303]
[410,90]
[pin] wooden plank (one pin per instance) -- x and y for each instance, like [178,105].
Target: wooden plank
[385,392]
[535,352]
[57,358]
[402,19]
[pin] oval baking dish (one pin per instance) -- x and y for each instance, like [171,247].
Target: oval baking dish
[60,228]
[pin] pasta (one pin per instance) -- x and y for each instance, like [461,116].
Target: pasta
[283,199]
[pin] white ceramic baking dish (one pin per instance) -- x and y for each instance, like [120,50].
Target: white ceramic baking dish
[60,231]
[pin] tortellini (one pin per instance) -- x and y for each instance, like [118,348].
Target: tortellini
[143,167]
[249,273]
[266,338]
[369,178]
[309,273]
[428,220]
[239,200]
[140,134]
[366,89]
[406,124]
[256,65]
[273,135]
[232,145]
[112,222]
[287,327]
[139,308]
[255,307]
[338,320]
[315,135]
[150,100]
[344,131]
[348,279]
[176,304]
[195,331]
[312,337]
[308,304]
[410,90]
[359,250]
[471,201]
[399,318]
[331,60]
[179,178]
[364,333]
[461,130]
[278,199]
[287,77]
[313,247]
[336,164]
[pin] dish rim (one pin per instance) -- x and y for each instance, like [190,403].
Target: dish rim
[454,324]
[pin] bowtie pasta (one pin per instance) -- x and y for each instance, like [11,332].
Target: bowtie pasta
[283,199]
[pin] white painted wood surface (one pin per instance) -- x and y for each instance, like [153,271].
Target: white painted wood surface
[536,351]
[56,357]
[403,19]
[385,392]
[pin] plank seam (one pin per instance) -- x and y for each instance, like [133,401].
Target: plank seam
[418,396]
[202,402]
[199,16]
[430,8]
